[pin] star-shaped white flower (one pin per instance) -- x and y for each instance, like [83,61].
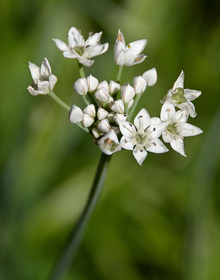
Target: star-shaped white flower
[43,79]
[80,49]
[130,54]
[143,135]
[181,97]
[177,127]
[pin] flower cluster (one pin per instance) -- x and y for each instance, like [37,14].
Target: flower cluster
[109,106]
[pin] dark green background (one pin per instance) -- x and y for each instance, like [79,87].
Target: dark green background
[160,221]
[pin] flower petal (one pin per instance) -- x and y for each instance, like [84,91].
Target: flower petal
[156,128]
[86,62]
[127,143]
[167,112]
[191,94]
[69,54]
[75,39]
[138,59]
[150,77]
[142,120]
[93,39]
[75,114]
[52,81]
[61,45]
[140,154]
[178,146]
[95,50]
[35,71]
[137,46]
[156,146]
[187,129]
[45,68]
[189,107]
[179,82]
[127,129]
[180,117]
[109,143]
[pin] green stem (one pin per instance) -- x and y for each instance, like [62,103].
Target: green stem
[59,101]
[118,78]
[71,250]
[66,107]
[81,70]
[137,98]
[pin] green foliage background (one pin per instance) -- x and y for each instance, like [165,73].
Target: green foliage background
[160,221]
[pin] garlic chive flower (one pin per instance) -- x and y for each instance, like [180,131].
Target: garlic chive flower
[109,143]
[142,136]
[130,54]
[43,79]
[150,77]
[177,127]
[181,97]
[80,49]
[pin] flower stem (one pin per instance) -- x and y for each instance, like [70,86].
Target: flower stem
[137,98]
[59,101]
[66,107]
[118,78]
[81,70]
[70,252]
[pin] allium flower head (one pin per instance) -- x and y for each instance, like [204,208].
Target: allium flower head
[80,49]
[130,54]
[181,97]
[43,79]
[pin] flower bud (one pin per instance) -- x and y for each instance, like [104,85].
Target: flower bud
[76,114]
[109,143]
[81,86]
[104,125]
[90,110]
[114,87]
[139,84]
[127,93]
[103,84]
[130,103]
[150,77]
[96,132]
[87,120]
[102,114]
[118,106]
[102,95]
[92,83]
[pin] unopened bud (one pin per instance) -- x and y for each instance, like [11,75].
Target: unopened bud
[102,95]
[76,114]
[87,120]
[139,84]
[114,87]
[92,83]
[102,114]
[127,93]
[81,86]
[90,110]
[104,125]
[118,106]
[150,77]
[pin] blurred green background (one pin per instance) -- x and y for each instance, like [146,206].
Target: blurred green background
[160,221]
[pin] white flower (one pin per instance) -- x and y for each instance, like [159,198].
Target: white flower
[76,114]
[102,114]
[102,94]
[177,128]
[139,84]
[150,77]
[130,54]
[118,106]
[181,97]
[142,136]
[81,86]
[109,143]
[127,93]
[80,49]
[43,80]
[87,120]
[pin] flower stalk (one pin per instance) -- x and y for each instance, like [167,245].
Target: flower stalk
[75,240]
